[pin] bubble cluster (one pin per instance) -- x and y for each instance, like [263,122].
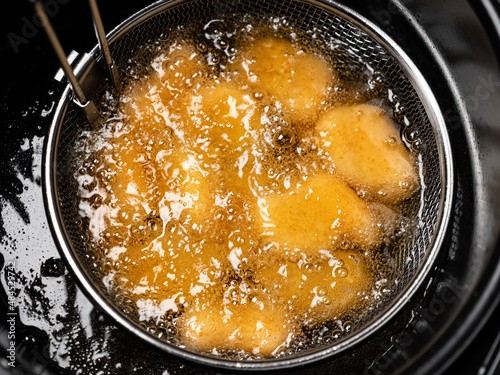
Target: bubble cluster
[210,197]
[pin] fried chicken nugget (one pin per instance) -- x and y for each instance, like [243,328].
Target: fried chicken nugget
[174,263]
[254,324]
[222,113]
[366,149]
[323,286]
[321,211]
[299,80]
[224,121]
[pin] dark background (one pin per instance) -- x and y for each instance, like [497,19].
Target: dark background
[27,95]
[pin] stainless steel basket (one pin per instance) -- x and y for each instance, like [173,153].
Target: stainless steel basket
[361,48]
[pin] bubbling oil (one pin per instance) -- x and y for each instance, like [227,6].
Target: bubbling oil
[224,200]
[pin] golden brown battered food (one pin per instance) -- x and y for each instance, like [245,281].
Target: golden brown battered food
[298,80]
[180,70]
[325,285]
[252,323]
[222,119]
[365,148]
[164,258]
[171,270]
[316,215]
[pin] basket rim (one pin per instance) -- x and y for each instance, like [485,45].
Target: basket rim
[49,185]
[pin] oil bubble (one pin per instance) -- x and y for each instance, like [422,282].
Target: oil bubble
[308,268]
[258,95]
[154,224]
[417,145]
[347,326]
[284,138]
[220,149]
[221,43]
[341,272]
[411,134]
[391,141]
[201,46]
[171,226]
[285,24]
[213,58]
[231,51]
[345,244]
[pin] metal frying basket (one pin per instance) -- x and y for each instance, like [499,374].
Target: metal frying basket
[360,46]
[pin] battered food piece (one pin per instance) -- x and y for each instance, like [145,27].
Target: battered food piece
[163,199]
[298,80]
[180,70]
[323,286]
[313,216]
[158,104]
[224,121]
[169,273]
[186,187]
[365,148]
[221,119]
[171,183]
[254,324]
[164,262]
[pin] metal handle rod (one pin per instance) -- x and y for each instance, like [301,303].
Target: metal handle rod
[77,89]
[103,44]
[88,106]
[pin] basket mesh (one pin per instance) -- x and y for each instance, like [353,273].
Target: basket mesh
[356,51]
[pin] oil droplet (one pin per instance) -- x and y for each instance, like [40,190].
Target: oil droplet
[52,267]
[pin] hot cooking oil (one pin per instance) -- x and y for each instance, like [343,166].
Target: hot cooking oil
[231,192]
